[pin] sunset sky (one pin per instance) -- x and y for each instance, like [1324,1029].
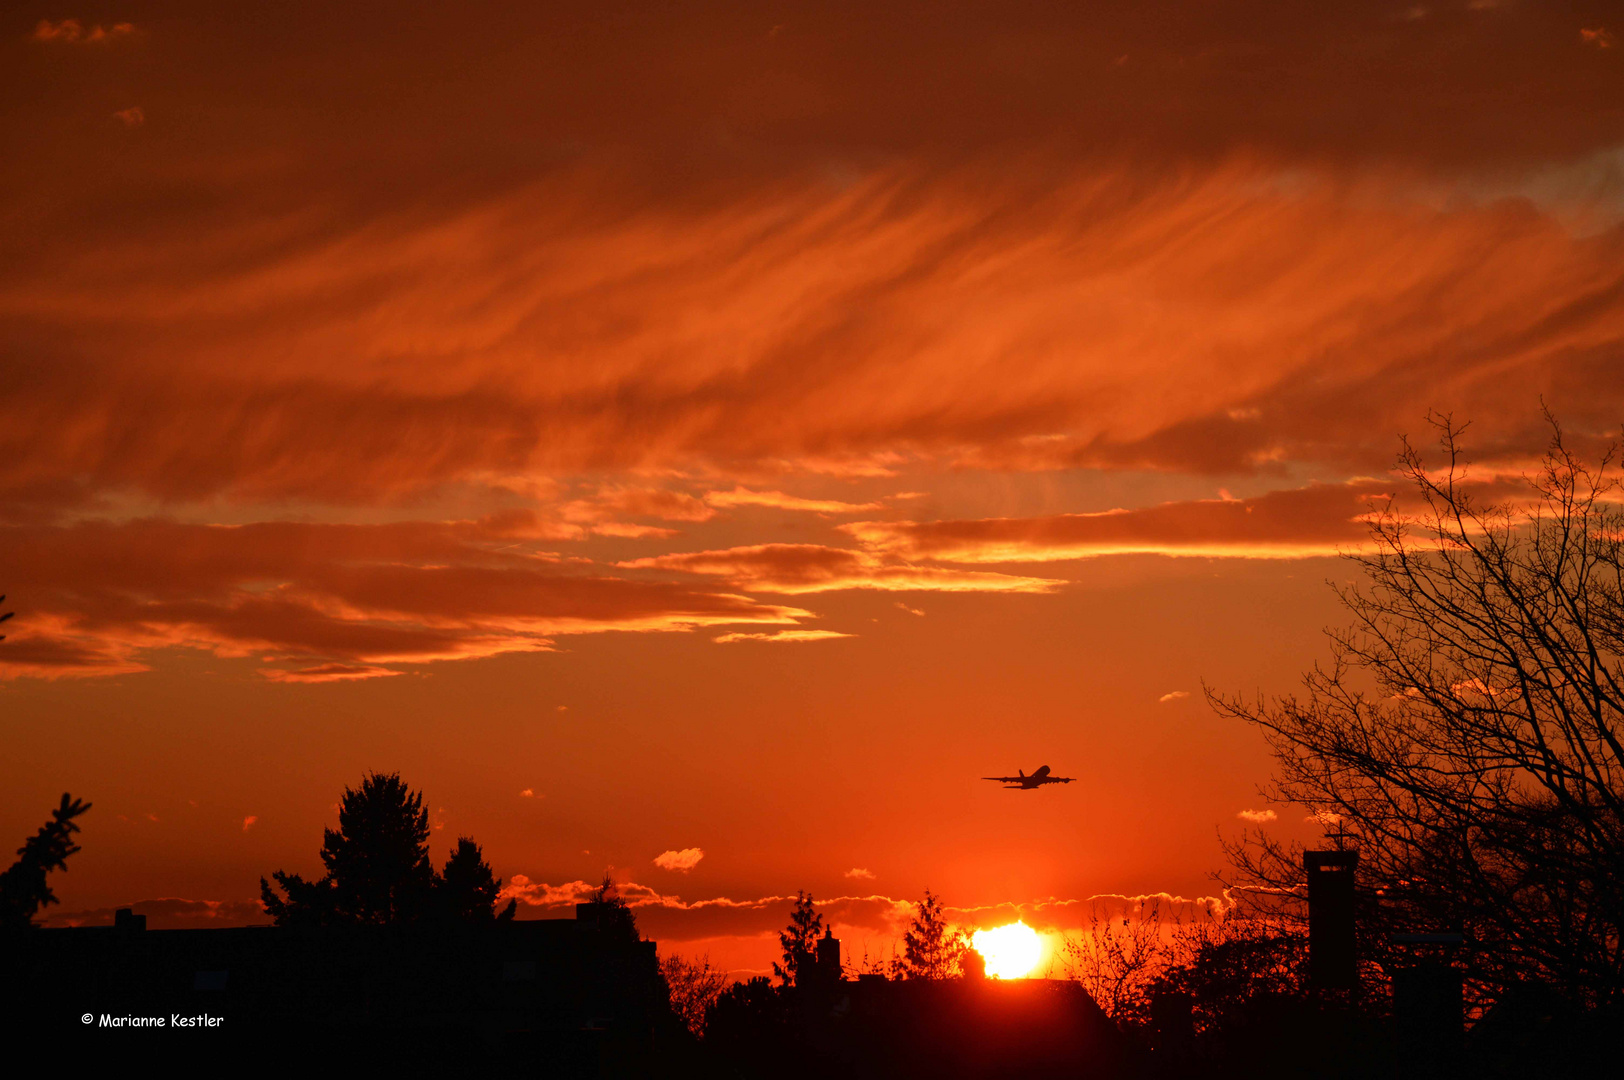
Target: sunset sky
[701,440]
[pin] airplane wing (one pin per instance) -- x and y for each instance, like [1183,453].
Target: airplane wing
[1005,779]
[1061,779]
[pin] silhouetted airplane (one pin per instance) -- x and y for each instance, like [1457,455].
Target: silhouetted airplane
[1022,782]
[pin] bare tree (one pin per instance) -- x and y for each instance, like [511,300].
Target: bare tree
[695,986]
[1466,730]
[1117,959]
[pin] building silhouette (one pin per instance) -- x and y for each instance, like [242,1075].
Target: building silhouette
[1332,957]
[578,997]
[874,1026]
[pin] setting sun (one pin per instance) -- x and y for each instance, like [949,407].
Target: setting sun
[1011,951]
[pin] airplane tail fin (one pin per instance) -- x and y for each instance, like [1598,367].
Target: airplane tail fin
[1021,773]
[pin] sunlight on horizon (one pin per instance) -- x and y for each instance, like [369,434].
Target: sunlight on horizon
[1011,952]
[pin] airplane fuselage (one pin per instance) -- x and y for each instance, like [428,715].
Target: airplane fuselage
[1022,782]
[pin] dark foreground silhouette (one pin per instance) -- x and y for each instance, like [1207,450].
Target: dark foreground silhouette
[584,997]
[386,962]
[581,994]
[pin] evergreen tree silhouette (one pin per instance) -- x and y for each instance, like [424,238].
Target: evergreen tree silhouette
[615,918]
[378,868]
[23,887]
[931,949]
[467,891]
[799,939]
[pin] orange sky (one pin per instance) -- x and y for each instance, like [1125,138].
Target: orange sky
[738,427]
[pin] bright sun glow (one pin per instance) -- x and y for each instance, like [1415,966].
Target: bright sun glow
[1011,951]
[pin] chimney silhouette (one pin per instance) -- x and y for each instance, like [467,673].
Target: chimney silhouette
[828,962]
[1332,962]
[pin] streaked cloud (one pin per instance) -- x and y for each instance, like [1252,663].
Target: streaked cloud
[1321,519]
[629,531]
[99,596]
[1258,817]
[661,503]
[777,500]
[1173,696]
[859,874]
[248,822]
[941,317]
[781,636]
[328,673]
[812,568]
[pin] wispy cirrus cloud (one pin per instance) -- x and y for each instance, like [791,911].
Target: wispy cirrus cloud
[782,636]
[812,568]
[635,501]
[328,673]
[928,316]
[777,500]
[1317,520]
